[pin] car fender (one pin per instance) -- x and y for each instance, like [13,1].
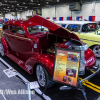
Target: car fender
[4,45]
[45,60]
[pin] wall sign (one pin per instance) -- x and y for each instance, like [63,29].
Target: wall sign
[66,66]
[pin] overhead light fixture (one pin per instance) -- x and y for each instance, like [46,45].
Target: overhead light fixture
[47,2]
[38,4]
[31,0]
[7,7]
[23,2]
[25,7]
[17,4]
[0,3]
[20,8]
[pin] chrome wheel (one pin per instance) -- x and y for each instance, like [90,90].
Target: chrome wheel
[1,49]
[96,50]
[41,77]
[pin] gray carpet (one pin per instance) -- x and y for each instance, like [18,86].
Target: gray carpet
[14,84]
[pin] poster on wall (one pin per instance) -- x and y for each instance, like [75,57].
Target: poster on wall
[66,66]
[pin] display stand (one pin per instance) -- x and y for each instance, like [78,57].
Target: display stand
[29,93]
[81,88]
[68,74]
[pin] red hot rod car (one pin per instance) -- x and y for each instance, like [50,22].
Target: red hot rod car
[32,47]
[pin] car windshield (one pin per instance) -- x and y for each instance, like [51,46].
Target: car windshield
[90,27]
[36,29]
[73,27]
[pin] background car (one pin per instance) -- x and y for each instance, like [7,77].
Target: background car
[87,31]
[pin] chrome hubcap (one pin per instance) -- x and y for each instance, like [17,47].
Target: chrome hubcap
[40,75]
[96,50]
[1,49]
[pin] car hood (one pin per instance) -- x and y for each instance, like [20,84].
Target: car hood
[54,28]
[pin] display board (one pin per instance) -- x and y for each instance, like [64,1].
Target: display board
[66,66]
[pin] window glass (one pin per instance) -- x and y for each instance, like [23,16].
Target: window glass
[63,25]
[18,30]
[5,27]
[90,27]
[73,27]
[36,29]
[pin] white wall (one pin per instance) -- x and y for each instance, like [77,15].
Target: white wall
[97,9]
[88,9]
[9,16]
[21,15]
[48,12]
[63,10]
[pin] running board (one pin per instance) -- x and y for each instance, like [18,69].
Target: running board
[18,61]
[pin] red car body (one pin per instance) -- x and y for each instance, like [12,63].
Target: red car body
[27,50]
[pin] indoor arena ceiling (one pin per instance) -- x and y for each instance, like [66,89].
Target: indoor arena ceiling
[7,6]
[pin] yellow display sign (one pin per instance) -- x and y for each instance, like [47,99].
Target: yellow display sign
[66,66]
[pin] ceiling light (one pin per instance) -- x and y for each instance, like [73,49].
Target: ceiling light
[25,7]
[47,2]
[17,4]
[3,8]
[39,4]
[7,7]
[31,0]
[23,2]
[20,8]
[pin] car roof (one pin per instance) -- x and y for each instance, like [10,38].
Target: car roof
[73,22]
[21,23]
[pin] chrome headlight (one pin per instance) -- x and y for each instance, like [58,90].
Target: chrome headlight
[83,47]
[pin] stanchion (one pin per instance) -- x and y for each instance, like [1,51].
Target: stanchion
[29,92]
[81,88]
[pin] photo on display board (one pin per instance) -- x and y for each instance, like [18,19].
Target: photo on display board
[74,57]
[70,72]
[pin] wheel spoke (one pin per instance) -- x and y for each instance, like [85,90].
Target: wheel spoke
[40,75]
[96,50]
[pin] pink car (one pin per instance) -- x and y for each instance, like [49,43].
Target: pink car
[32,47]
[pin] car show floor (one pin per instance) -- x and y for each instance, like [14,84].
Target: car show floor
[92,86]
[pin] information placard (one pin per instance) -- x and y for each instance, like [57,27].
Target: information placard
[66,66]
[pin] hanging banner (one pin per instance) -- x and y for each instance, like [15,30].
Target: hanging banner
[66,67]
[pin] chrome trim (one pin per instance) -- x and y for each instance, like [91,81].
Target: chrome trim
[17,36]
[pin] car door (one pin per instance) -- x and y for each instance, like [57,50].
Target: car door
[19,43]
